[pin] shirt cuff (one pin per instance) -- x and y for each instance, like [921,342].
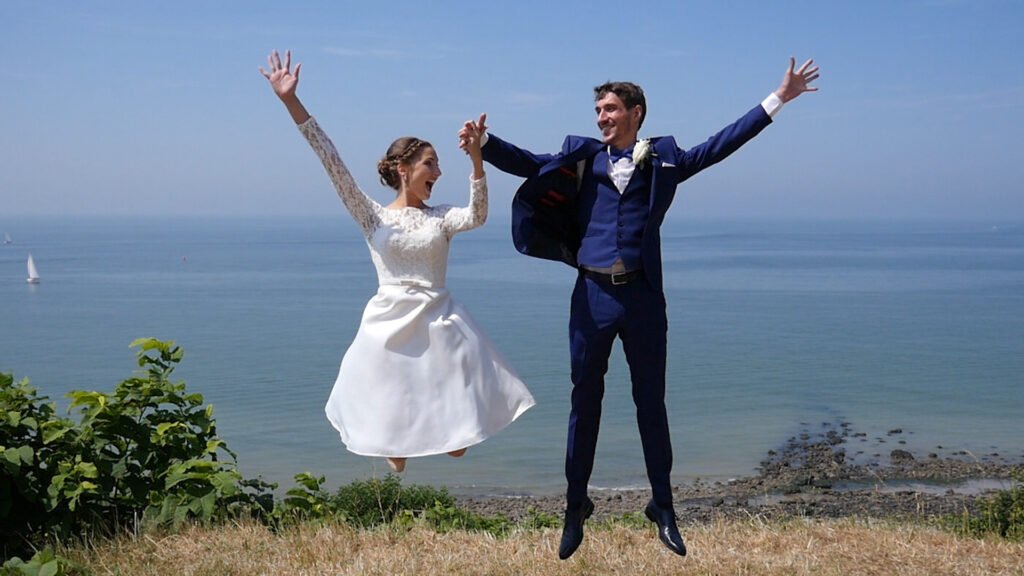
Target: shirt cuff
[484,138]
[772,104]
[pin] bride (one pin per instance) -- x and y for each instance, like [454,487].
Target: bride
[420,377]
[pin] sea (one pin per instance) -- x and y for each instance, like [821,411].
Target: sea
[910,333]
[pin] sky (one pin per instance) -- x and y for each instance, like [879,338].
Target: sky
[157,108]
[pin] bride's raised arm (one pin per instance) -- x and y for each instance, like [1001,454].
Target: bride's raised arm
[475,214]
[284,81]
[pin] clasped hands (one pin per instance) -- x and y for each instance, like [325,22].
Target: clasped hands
[471,133]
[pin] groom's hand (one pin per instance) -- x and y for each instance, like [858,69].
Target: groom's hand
[798,82]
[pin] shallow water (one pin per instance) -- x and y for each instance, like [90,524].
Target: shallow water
[774,326]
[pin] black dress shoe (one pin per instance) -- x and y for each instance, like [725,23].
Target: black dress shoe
[668,533]
[572,530]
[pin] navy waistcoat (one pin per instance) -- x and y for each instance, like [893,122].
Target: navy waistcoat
[612,223]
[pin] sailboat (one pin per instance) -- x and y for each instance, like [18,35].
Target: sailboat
[33,274]
[7,238]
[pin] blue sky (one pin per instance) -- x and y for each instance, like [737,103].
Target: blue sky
[117,108]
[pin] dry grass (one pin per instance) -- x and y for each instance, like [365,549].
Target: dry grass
[724,548]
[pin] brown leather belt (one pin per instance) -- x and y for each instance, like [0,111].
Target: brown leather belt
[616,279]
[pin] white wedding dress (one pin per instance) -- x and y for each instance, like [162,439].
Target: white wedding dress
[420,377]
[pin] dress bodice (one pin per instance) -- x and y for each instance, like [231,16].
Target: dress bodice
[407,245]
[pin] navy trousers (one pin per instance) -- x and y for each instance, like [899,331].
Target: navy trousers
[635,313]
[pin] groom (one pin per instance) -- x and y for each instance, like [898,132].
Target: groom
[598,206]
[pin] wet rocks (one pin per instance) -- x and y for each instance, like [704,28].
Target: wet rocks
[810,476]
[897,457]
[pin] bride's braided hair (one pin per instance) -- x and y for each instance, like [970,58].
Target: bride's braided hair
[403,151]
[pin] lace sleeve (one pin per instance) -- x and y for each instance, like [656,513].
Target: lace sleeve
[472,216]
[362,208]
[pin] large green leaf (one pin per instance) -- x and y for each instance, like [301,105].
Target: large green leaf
[13,456]
[49,568]
[54,430]
[162,428]
[87,469]
[209,503]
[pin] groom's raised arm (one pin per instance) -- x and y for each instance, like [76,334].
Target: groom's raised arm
[722,144]
[503,155]
[512,159]
[729,139]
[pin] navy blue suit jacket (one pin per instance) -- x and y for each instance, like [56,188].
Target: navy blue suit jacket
[544,223]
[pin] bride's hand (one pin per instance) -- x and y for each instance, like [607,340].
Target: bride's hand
[282,79]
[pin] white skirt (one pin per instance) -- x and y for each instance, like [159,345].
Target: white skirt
[421,378]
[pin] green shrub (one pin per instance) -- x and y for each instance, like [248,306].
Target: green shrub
[448,517]
[536,520]
[148,450]
[368,503]
[307,502]
[43,563]
[34,445]
[1001,514]
[376,502]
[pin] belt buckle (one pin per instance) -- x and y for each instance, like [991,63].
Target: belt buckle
[619,278]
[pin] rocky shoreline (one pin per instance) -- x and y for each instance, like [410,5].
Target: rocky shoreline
[817,474]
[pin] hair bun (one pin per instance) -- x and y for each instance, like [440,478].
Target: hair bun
[386,168]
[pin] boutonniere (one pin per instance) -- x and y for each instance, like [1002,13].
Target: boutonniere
[641,152]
